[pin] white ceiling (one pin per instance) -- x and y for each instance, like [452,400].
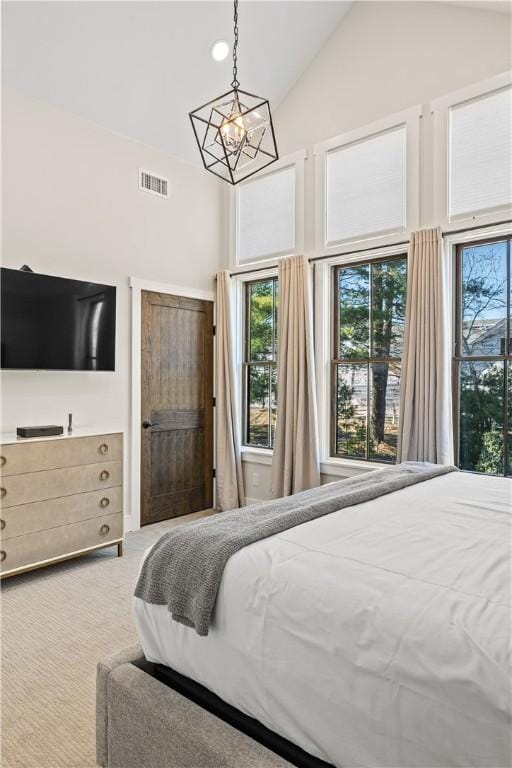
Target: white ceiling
[138,68]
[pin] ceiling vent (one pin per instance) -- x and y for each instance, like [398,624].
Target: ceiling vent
[148,182]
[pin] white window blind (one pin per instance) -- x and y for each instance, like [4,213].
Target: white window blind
[266,216]
[480,154]
[366,189]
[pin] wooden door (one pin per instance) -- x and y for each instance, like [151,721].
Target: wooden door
[177,406]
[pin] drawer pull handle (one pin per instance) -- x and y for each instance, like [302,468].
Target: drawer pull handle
[3,555]
[104,502]
[104,474]
[2,525]
[3,461]
[103,448]
[104,529]
[3,492]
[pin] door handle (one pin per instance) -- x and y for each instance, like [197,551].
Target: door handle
[148,424]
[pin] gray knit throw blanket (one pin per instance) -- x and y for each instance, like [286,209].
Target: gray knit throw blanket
[184,568]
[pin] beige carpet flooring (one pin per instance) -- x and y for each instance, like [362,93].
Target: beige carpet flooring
[56,624]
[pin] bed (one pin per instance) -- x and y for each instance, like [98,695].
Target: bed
[378,635]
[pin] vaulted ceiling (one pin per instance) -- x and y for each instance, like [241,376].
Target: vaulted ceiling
[138,68]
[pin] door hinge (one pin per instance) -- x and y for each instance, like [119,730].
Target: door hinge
[214,330]
[214,401]
[214,472]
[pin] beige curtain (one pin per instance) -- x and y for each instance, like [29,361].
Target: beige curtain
[295,464]
[230,484]
[425,394]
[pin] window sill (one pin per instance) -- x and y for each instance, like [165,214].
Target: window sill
[349,467]
[341,467]
[256,455]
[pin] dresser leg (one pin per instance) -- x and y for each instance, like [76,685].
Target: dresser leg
[120,549]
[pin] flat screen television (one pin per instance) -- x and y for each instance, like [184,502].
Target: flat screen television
[52,323]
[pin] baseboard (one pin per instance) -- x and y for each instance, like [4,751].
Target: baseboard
[128,524]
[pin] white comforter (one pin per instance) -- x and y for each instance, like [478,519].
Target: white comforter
[375,636]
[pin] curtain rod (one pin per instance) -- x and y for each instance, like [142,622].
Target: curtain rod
[477,226]
[377,247]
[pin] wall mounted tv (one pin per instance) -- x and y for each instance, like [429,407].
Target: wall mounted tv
[52,323]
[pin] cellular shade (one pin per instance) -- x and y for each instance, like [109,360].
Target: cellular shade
[266,216]
[480,154]
[366,187]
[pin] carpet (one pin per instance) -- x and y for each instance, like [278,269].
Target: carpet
[55,625]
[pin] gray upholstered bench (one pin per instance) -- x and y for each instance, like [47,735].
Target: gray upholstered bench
[143,723]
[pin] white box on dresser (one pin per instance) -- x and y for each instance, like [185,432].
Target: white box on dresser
[60,497]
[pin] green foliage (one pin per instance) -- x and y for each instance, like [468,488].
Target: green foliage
[481,416]
[261,320]
[261,347]
[371,322]
[491,454]
[482,383]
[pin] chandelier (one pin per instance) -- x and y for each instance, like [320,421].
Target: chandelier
[234,132]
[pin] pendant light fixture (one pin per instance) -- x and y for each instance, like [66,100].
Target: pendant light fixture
[234,132]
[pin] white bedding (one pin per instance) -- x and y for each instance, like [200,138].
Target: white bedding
[375,636]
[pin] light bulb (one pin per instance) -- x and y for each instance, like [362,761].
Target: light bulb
[233,131]
[219,50]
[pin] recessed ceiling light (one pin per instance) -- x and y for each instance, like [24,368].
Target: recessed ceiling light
[219,50]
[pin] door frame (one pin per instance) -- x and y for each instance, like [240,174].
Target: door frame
[137,285]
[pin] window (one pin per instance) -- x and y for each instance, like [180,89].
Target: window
[373,171]
[483,357]
[473,153]
[268,212]
[260,379]
[480,151]
[368,183]
[369,324]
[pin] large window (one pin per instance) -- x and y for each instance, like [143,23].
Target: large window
[368,184]
[480,152]
[268,212]
[483,357]
[473,153]
[369,322]
[261,297]
[372,170]
[266,216]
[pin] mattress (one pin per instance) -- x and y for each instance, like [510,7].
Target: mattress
[378,635]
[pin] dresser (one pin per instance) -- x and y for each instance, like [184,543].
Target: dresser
[60,497]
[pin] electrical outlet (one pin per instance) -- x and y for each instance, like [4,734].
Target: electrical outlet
[255,479]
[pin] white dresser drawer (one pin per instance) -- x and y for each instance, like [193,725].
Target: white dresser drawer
[40,515]
[37,548]
[52,483]
[33,456]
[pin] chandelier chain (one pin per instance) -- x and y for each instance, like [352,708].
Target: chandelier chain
[235,84]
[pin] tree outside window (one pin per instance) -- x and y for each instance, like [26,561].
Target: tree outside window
[368,339]
[482,363]
[260,380]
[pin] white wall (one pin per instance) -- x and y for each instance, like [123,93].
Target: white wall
[258,476]
[71,207]
[382,58]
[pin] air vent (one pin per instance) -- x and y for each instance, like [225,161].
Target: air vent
[148,182]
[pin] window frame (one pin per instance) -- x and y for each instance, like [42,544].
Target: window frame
[410,118]
[246,363]
[367,361]
[458,358]
[440,110]
[323,313]
[296,160]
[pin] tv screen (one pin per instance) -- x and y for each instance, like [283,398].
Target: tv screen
[53,323]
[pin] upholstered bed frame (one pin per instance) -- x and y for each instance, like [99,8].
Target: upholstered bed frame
[148,716]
